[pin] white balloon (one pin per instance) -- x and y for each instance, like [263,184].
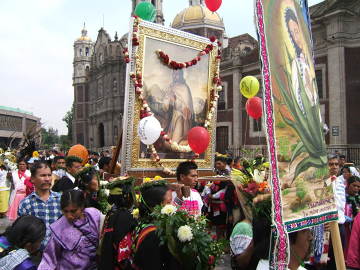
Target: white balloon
[149,130]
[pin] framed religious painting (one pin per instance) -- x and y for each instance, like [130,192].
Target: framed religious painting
[172,76]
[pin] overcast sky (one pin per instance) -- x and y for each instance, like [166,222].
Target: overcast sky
[36,48]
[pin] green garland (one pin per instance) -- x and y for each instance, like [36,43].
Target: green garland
[87,170]
[150,184]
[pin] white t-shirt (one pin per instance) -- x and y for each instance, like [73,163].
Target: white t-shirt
[264,265]
[192,204]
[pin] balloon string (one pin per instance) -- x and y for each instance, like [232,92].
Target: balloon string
[259,131]
[246,127]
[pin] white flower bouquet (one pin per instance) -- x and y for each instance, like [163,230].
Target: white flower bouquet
[187,237]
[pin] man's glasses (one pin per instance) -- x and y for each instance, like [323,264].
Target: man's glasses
[333,164]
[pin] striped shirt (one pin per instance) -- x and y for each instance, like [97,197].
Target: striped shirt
[48,211]
[340,198]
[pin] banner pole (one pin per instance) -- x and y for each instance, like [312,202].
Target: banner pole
[337,246]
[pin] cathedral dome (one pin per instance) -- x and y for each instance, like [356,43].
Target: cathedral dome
[197,15]
[84,36]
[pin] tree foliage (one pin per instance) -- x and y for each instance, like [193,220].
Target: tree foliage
[68,119]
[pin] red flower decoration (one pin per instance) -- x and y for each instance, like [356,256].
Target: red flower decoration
[212,38]
[252,188]
[211,260]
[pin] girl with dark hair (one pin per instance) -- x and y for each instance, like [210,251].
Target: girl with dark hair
[19,192]
[116,242]
[352,206]
[19,241]
[74,237]
[149,252]
[352,196]
[88,180]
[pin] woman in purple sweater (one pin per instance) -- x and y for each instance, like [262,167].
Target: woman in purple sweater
[74,237]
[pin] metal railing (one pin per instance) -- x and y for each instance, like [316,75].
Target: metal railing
[352,153]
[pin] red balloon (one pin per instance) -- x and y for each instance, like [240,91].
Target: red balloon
[213,5]
[254,107]
[198,139]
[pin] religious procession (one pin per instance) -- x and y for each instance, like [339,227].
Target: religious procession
[187,149]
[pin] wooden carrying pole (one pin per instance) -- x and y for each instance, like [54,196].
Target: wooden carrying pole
[337,246]
[116,155]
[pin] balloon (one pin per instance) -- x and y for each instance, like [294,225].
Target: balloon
[80,151]
[149,130]
[198,139]
[213,5]
[146,11]
[254,108]
[249,86]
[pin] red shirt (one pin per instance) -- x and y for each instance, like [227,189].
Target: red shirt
[29,186]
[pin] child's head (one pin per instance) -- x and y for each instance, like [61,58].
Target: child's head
[220,163]
[88,180]
[151,196]
[121,193]
[72,204]
[26,232]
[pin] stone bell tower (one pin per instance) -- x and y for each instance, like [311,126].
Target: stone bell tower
[83,50]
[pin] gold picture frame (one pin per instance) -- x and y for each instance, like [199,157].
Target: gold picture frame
[157,81]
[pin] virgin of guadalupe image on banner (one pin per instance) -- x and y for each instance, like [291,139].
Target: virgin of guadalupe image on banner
[301,186]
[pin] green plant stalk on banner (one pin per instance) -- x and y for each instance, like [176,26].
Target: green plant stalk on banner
[307,125]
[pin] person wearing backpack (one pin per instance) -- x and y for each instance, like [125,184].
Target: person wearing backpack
[116,237]
[21,240]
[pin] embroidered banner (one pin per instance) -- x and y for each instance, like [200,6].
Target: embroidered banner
[301,190]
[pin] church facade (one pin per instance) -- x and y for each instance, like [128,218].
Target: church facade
[99,77]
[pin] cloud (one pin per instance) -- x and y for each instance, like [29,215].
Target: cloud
[36,48]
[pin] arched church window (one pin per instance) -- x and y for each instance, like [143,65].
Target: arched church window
[101,135]
[80,51]
[87,51]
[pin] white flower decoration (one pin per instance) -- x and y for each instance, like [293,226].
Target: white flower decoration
[185,233]
[107,192]
[168,209]
[103,183]
[258,176]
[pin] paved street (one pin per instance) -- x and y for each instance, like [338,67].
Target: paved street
[4,222]
[224,263]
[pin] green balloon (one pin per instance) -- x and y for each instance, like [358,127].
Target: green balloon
[146,11]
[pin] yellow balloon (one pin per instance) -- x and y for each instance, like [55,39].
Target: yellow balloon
[249,86]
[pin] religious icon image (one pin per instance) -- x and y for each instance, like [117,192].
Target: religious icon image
[178,98]
[300,144]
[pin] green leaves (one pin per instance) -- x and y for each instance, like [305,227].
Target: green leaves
[192,254]
[306,123]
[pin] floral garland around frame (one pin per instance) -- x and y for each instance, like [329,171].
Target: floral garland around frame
[145,111]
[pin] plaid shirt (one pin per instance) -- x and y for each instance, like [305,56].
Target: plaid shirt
[48,211]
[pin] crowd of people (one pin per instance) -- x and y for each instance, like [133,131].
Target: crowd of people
[59,223]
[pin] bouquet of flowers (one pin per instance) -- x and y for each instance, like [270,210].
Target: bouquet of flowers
[8,159]
[187,237]
[251,183]
[253,178]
